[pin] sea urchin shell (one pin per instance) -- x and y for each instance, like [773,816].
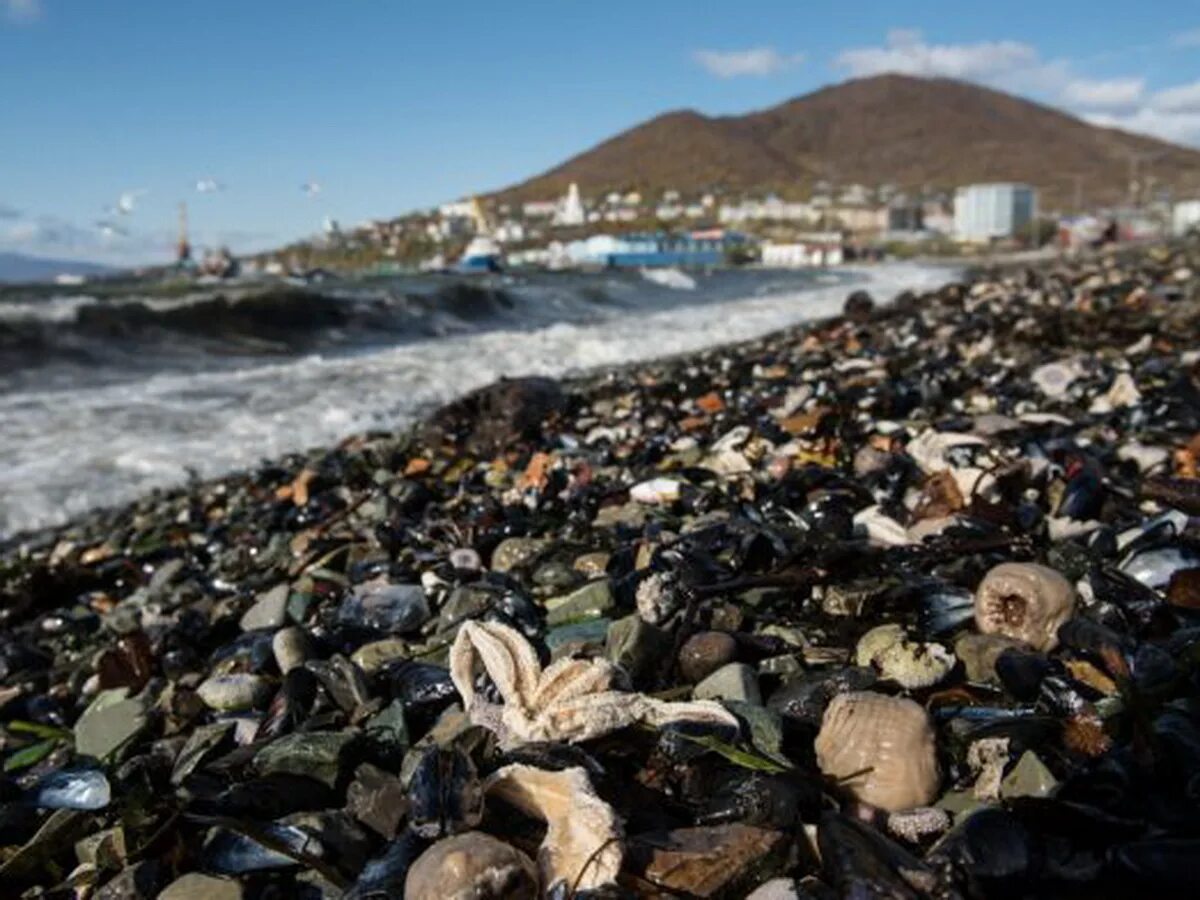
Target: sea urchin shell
[1025,601]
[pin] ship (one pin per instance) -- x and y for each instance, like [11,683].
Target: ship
[482,255]
[483,252]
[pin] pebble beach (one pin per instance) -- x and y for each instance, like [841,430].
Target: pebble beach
[898,603]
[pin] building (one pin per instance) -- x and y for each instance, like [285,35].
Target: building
[697,248]
[1185,216]
[984,212]
[816,249]
[539,209]
[570,209]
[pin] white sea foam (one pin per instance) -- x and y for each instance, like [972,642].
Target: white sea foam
[63,452]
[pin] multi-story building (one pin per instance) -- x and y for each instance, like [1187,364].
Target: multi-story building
[984,212]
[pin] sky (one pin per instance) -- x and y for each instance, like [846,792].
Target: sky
[390,106]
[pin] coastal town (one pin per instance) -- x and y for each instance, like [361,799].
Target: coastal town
[831,226]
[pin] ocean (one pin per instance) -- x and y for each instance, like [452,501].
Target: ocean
[104,399]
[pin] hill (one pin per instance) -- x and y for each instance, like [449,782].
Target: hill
[911,132]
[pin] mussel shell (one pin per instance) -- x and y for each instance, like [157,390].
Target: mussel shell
[444,793]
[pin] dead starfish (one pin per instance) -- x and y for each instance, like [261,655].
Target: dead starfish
[570,700]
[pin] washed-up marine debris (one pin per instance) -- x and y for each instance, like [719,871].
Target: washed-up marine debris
[901,603]
[571,700]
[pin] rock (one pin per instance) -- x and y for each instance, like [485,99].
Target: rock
[735,681]
[234,693]
[269,609]
[555,575]
[979,653]
[591,601]
[472,866]
[512,553]
[627,515]
[589,635]
[495,416]
[637,646]
[291,648]
[374,656]
[140,881]
[389,608]
[775,889]
[111,721]
[465,602]
[1028,778]
[591,565]
[198,886]
[717,861]
[705,652]
[858,307]
[377,799]
[315,754]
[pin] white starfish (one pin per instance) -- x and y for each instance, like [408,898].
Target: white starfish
[571,700]
[583,846]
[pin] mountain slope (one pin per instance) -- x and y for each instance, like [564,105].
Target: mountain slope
[912,132]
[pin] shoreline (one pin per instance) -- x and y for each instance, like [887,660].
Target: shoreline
[354,391]
[730,537]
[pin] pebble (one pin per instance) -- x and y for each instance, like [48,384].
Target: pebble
[234,693]
[591,601]
[735,681]
[198,886]
[269,609]
[704,653]
[291,647]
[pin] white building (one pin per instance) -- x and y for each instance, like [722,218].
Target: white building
[1185,216]
[983,212]
[570,209]
[539,209]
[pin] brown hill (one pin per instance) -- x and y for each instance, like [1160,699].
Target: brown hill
[911,132]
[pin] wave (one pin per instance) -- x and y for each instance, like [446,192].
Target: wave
[86,444]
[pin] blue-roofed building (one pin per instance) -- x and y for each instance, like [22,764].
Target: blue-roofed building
[696,248]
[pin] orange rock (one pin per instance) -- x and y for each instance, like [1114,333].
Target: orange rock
[805,422]
[418,465]
[692,423]
[535,475]
[711,402]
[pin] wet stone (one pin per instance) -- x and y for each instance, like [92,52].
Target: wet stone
[637,646]
[109,722]
[581,636]
[374,656]
[704,653]
[735,681]
[316,755]
[377,799]
[1028,778]
[555,575]
[234,693]
[198,886]
[291,647]
[589,602]
[464,603]
[389,608]
[591,565]
[512,553]
[269,609]
[979,653]
[140,881]
[718,861]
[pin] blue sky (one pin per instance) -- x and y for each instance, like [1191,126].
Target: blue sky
[391,106]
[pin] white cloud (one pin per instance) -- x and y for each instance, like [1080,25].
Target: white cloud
[1187,38]
[22,11]
[907,52]
[1110,93]
[1184,98]
[1121,102]
[756,61]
